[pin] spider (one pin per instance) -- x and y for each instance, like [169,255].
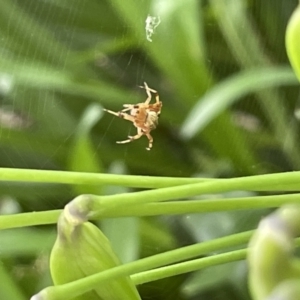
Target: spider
[144,116]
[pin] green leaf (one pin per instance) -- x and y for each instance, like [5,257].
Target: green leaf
[224,94]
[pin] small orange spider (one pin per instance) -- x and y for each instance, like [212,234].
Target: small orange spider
[144,116]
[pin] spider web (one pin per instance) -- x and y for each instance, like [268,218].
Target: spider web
[55,73]
[44,85]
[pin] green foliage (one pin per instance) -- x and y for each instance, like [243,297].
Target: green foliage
[230,109]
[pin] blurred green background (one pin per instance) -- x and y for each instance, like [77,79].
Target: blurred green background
[230,108]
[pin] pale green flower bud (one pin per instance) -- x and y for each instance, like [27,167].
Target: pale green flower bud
[80,250]
[270,256]
[292,38]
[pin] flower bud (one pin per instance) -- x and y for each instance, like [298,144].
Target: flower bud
[80,250]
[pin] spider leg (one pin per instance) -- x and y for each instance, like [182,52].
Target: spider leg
[111,112]
[154,92]
[120,114]
[148,91]
[150,138]
[147,101]
[132,138]
[157,98]
[127,107]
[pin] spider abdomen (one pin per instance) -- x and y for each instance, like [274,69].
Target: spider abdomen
[152,120]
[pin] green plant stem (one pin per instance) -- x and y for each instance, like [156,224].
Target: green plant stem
[193,265]
[201,206]
[64,177]
[110,204]
[189,266]
[272,182]
[75,288]
[287,181]
[153,209]
[29,219]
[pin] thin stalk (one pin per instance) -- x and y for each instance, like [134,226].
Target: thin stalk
[29,219]
[271,182]
[153,209]
[287,181]
[202,206]
[185,267]
[197,264]
[64,177]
